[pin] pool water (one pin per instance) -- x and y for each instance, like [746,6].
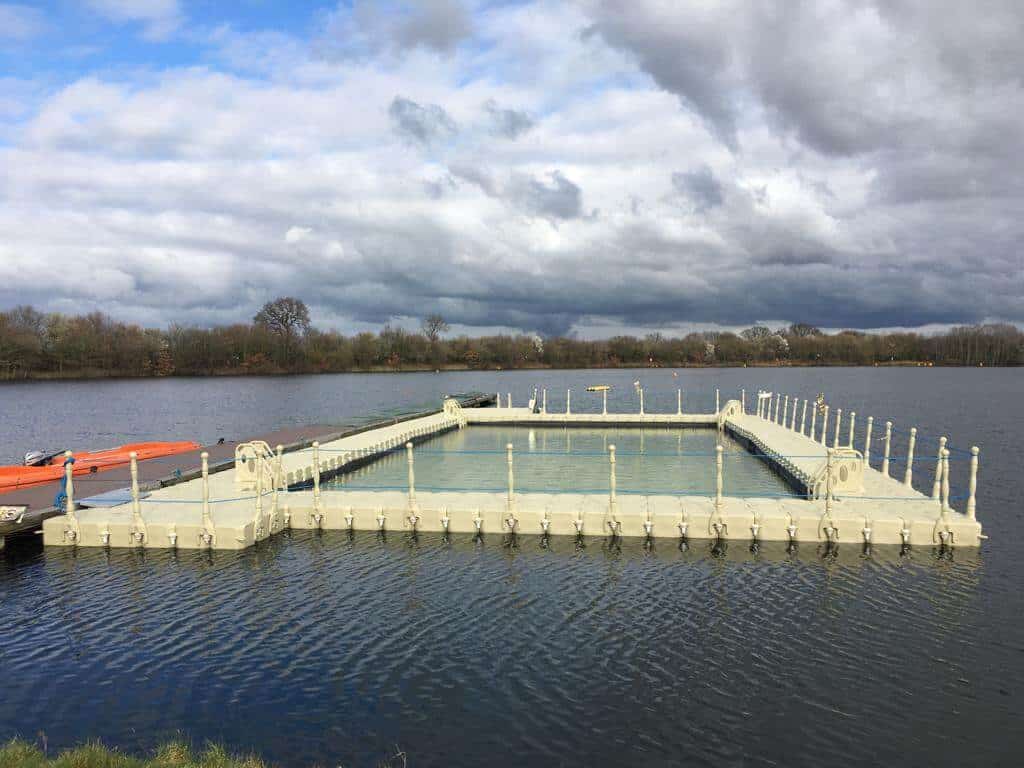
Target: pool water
[575,460]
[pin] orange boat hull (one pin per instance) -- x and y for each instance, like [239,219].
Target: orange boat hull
[12,478]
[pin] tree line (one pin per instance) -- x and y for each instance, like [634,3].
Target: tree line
[281,339]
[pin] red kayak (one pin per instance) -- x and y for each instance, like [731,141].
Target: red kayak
[12,478]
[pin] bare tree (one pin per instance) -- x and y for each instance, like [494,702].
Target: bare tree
[433,326]
[286,317]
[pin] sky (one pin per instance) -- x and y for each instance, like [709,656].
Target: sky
[585,167]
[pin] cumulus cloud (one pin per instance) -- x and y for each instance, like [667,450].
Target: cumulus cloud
[424,124]
[846,163]
[159,18]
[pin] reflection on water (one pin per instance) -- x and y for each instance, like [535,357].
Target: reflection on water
[332,647]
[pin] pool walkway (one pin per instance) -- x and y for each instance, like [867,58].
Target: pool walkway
[838,496]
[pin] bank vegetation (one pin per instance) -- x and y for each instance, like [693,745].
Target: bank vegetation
[281,339]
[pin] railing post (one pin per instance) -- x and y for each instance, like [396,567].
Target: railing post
[497,400]
[972,488]
[785,410]
[612,488]
[69,485]
[544,401]
[508,400]
[718,479]
[945,482]
[568,401]
[888,446]
[511,480]
[908,474]
[133,472]
[743,402]
[867,442]
[316,476]
[814,419]
[824,424]
[412,477]
[937,485]
[803,418]
[204,459]
[839,426]
[259,491]
[828,482]
[853,419]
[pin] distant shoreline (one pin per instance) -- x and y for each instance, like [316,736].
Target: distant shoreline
[99,375]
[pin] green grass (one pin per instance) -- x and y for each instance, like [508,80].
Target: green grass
[21,754]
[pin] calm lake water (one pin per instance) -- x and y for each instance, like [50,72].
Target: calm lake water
[332,649]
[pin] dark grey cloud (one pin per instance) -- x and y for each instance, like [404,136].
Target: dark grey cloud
[700,186]
[367,28]
[509,123]
[554,197]
[424,124]
[436,24]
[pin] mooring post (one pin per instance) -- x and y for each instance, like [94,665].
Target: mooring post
[824,424]
[945,482]
[814,419]
[204,459]
[743,402]
[508,400]
[867,442]
[718,479]
[497,400]
[568,401]
[511,479]
[937,485]
[412,477]
[604,402]
[612,501]
[839,426]
[803,418]
[316,476]
[69,485]
[908,474]
[641,391]
[544,401]
[679,402]
[853,418]
[888,445]
[717,401]
[972,488]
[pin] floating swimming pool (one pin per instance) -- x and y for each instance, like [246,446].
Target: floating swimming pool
[657,461]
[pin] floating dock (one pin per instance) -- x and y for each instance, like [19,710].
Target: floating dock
[838,497]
